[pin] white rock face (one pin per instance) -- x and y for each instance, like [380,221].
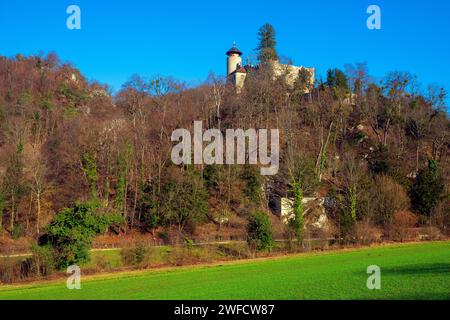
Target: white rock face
[314,212]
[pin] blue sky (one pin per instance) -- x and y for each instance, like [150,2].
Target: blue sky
[188,39]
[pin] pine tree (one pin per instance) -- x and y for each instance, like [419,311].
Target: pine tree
[427,190]
[267,43]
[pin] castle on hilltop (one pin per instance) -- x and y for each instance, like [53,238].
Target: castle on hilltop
[237,73]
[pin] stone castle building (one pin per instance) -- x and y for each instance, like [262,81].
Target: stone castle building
[237,73]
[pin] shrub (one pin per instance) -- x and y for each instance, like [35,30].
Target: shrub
[253,184]
[179,256]
[237,250]
[42,261]
[17,231]
[138,255]
[72,231]
[39,264]
[259,232]
[366,233]
[401,225]
[388,197]
[440,216]
[102,263]
[10,270]
[431,234]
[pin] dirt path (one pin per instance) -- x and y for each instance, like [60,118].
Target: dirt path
[24,255]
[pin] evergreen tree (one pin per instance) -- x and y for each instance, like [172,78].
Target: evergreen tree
[259,232]
[267,44]
[427,190]
[253,184]
[336,79]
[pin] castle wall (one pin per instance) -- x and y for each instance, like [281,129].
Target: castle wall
[290,72]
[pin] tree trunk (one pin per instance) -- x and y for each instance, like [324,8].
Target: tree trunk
[29,211]
[13,208]
[135,201]
[417,156]
[38,211]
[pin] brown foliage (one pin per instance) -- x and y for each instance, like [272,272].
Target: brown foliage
[402,225]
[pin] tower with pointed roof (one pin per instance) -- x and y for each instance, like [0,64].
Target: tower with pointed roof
[234,60]
[236,73]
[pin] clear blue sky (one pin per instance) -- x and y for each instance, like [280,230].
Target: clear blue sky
[188,39]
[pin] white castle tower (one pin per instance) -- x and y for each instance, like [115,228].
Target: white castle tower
[236,73]
[234,59]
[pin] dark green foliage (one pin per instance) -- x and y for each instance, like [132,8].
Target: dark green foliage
[90,170]
[350,203]
[267,43]
[17,231]
[427,190]
[13,184]
[296,224]
[25,99]
[72,231]
[379,161]
[149,207]
[123,164]
[305,172]
[73,96]
[337,79]
[46,103]
[42,260]
[135,255]
[253,183]
[302,83]
[212,176]
[259,232]
[184,198]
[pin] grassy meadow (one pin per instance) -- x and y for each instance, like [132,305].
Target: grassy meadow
[408,271]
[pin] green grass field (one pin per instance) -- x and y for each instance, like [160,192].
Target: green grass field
[410,271]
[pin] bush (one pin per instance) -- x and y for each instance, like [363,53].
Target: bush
[259,232]
[253,184]
[38,265]
[102,263]
[72,231]
[366,233]
[10,270]
[42,261]
[238,250]
[401,226]
[388,197]
[17,231]
[137,255]
[179,256]
[440,216]
[431,234]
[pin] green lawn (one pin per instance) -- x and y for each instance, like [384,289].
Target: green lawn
[410,271]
